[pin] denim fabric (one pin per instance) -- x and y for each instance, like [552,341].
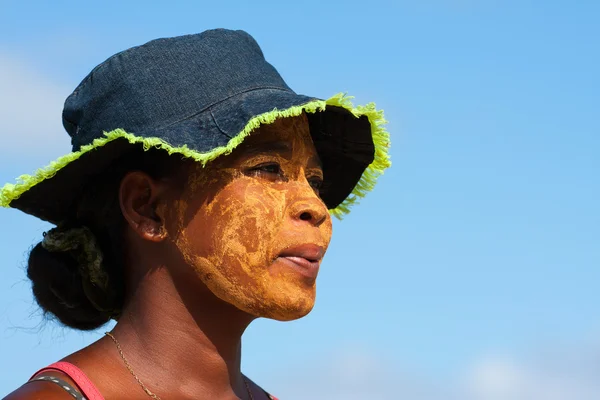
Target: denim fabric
[198,90]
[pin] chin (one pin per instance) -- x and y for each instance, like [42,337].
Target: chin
[286,308]
[290,314]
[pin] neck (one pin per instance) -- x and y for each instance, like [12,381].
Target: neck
[169,331]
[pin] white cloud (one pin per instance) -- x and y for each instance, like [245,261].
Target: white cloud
[350,373]
[353,373]
[30,112]
[567,373]
[496,378]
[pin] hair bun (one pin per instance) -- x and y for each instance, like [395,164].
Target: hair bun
[59,288]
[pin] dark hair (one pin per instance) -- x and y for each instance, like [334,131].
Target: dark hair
[60,285]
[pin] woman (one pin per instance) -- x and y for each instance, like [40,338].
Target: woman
[197,198]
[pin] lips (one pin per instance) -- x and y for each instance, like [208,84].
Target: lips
[305,259]
[309,252]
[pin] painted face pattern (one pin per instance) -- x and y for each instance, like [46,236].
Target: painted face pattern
[252,226]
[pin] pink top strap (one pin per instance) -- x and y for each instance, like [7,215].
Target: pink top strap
[81,380]
[84,383]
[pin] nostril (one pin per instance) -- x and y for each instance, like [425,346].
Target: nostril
[305,216]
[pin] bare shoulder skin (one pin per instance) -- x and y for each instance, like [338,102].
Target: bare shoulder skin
[42,390]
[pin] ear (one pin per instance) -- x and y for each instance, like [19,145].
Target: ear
[138,197]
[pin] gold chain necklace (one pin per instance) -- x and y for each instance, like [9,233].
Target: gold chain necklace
[148,392]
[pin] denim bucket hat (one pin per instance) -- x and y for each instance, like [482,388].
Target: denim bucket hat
[198,96]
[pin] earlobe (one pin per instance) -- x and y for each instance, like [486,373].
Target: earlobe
[139,195]
[152,231]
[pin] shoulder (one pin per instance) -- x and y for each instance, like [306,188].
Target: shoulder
[43,390]
[39,390]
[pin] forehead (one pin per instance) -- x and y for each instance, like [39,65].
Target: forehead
[288,137]
[285,130]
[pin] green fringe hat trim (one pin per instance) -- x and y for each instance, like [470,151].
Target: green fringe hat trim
[381,139]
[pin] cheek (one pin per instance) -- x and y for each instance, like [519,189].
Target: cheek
[231,241]
[238,227]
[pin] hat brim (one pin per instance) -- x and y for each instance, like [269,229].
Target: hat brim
[351,141]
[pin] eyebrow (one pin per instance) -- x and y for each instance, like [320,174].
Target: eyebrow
[284,148]
[316,161]
[266,147]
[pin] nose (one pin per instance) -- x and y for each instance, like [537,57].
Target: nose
[312,211]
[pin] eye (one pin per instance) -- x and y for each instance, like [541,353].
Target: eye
[271,170]
[316,182]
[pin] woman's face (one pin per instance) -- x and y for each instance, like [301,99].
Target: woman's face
[252,225]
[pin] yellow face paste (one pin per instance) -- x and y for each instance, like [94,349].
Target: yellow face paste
[238,214]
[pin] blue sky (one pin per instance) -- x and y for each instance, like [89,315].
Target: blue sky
[472,269]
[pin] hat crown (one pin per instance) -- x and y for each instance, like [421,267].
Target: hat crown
[166,81]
